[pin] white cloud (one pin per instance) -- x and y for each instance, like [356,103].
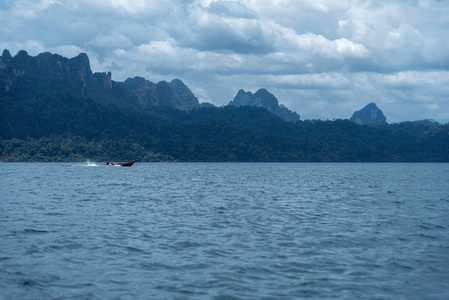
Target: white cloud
[111,40]
[134,6]
[34,8]
[311,81]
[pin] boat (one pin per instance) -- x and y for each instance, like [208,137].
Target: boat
[121,164]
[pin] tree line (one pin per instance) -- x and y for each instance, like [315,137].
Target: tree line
[72,128]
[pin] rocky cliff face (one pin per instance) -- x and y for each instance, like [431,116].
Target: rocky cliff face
[176,94]
[75,71]
[148,94]
[369,115]
[263,98]
[18,73]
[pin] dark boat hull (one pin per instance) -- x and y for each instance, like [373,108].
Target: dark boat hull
[127,164]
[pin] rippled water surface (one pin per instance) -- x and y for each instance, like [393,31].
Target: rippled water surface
[224,231]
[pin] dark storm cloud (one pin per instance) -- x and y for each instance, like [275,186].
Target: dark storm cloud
[211,32]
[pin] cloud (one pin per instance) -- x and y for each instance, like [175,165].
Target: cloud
[333,81]
[221,28]
[132,7]
[322,58]
[34,8]
[111,40]
[317,45]
[231,9]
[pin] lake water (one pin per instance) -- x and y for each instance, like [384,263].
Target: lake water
[224,231]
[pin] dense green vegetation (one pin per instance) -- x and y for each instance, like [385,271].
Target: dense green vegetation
[49,127]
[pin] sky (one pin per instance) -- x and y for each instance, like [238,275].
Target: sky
[323,59]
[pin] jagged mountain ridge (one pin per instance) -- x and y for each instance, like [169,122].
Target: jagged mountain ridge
[24,75]
[52,72]
[174,94]
[263,98]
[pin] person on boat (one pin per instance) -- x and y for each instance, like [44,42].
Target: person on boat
[109,163]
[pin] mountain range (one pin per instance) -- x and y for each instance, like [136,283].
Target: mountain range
[53,71]
[56,109]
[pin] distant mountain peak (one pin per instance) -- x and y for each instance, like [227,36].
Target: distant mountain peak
[176,94]
[18,66]
[6,53]
[241,92]
[369,115]
[22,53]
[263,98]
[81,65]
[5,58]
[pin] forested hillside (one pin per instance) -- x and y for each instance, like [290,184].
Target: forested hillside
[55,109]
[77,130]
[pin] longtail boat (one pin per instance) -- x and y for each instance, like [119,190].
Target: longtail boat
[121,164]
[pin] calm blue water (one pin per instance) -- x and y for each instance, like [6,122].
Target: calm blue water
[224,231]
